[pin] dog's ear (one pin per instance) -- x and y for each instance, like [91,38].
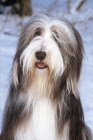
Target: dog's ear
[16,73]
[17,67]
[74,65]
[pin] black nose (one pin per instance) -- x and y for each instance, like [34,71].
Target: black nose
[40,55]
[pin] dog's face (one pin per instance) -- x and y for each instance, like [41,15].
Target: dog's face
[42,54]
[48,47]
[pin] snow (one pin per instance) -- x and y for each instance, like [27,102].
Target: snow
[9,33]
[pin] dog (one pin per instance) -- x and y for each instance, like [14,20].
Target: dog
[43,101]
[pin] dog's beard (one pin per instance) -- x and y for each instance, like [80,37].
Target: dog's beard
[42,84]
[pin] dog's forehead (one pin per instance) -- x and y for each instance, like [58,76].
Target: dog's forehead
[49,22]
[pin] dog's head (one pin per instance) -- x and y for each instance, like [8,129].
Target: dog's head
[49,47]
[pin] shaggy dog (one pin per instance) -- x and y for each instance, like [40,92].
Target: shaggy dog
[43,101]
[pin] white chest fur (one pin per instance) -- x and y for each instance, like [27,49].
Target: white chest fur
[42,123]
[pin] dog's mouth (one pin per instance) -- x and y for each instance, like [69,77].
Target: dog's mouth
[41,65]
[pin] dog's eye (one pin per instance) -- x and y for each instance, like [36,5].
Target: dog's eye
[37,33]
[56,35]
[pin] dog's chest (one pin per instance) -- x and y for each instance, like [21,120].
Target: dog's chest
[42,123]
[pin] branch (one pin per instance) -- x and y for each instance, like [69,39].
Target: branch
[52,6]
[77,5]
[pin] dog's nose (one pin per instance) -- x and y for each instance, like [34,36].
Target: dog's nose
[40,55]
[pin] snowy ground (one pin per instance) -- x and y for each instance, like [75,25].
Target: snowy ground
[8,40]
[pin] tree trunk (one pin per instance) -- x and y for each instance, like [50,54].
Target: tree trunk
[25,7]
[21,7]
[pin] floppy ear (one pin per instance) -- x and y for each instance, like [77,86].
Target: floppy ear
[17,68]
[74,65]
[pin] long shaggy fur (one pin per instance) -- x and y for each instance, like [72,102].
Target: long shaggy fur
[44,104]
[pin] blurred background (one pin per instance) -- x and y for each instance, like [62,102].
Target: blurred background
[15,13]
[19,11]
